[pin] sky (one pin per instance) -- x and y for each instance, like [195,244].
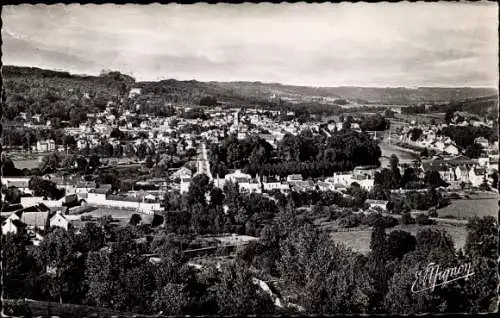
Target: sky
[346,44]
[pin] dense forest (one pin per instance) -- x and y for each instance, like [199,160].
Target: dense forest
[308,154]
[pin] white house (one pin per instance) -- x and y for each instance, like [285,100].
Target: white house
[101,199]
[134,92]
[294,178]
[12,224]
[477,176]
[185,182]
[462,173]
[60,220]
[451,149]
[253,186]
[238,177]
[47,145]
[22,183]
[377,204]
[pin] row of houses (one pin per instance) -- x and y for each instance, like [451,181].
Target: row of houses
[364,176]
[34,221]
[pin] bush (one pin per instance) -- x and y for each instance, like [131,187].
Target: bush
[86,218]
[389,221]
[350,221]
[18,308]
[135,219]
[407,218]
[423,219]
[432,213]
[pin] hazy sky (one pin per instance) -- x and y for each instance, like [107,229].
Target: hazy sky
[403,44]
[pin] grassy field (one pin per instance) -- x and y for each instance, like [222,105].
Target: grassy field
[26,163]
[359,240]
[474,207]
[438,117]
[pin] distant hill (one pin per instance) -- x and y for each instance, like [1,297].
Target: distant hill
[192,91]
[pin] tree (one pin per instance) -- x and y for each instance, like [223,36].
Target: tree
[91,237]
[423,219]
[395,167]
[374,123]
[142,151]
[45,188]
[410,175]
[149,162]
[135,219]
[424,153]
[200,185]
[172,300]
[94,162]
[433,246]
[49,163]
[208,101]
[494,177]
[359,194]
[433,179]
[407,218]
[482,237]
[415,134]
[16,266]
[116,133]
[474,150]
[57,250]
[386,180]
[328,277]
[236,293]
[378,241]
[216,197]
[400,243]
[69,142]
[8,167]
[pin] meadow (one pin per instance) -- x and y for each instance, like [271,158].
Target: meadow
[359,239]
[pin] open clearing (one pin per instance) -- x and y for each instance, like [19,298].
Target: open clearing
[481,205]
[359,240]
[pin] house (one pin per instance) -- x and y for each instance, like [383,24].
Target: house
[185,182]
[22,183]
[13,225]
[276,185]
[477,176]
[238,177]
[446,173]
[47,145]
[367,171]
[253,186]
[377,205]
[121,202]
[451,149]
[462,174]
[134,92]
[325,186]
[294,178]
[484,162]
[35,220]
[60,220]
